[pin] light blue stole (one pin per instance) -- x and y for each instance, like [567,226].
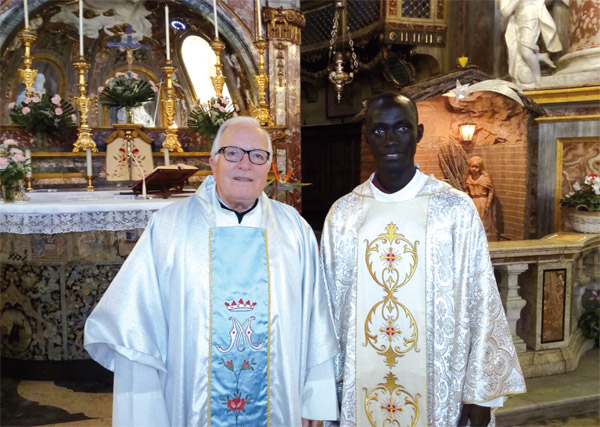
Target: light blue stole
[239,379]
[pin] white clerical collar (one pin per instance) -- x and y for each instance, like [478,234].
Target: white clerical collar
[228,218]
[409,191]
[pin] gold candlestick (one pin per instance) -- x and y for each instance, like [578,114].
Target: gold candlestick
[90,186]
[27,73]
[218,81]
[84,132]
[171,142]
[262,113]
[28,181]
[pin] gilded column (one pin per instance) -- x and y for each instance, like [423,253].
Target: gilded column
[284,30]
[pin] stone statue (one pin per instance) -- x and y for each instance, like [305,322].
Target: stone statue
[526,20]
[479,186]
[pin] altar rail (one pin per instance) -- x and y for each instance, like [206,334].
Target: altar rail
[541,284]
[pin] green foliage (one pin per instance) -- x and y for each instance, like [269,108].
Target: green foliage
[43,114]
[589,323]
[126,90]
[586,196]
[207,118]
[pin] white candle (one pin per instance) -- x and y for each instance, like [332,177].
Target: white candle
[88,161]
[167,160]
[28,157]
[259,18]
[167,32]
[81,28]
[216,22]
[26,11]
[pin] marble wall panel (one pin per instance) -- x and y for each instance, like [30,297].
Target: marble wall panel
[553,305]
[584,26]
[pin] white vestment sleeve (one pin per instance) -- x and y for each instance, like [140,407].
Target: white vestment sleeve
[138,399]
[319,401]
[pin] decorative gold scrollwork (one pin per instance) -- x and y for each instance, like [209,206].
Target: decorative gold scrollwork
[398,321]
[386,398]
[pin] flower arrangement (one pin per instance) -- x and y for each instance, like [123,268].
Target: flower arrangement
[13,168]
[43,114]
[208,117]
[589,322]
[278,183]
[126,90]
[586,196]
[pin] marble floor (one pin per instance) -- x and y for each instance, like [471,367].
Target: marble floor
[571,399]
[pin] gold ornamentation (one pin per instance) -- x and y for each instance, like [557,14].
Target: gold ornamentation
[171,142]
[284,24]
[280,47]
[374,399]
[84,132]
[218,81]
[27,73]
[401,253]
[262,113]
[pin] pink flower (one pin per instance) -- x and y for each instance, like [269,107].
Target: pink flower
[19,158]
[10,142]
[119,74]
[15,151]
[236,404]
[134,75]
[58,111]
[36,99]
[74,117]
[235,114]
[27,100]
[153,86]
[56,99]
[100,89]
[3,163]
[25,110]
[221,109]
[11,105]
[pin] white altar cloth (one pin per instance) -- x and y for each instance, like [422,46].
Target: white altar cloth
[65,212]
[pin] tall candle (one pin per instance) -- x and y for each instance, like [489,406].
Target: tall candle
[88,161]
[167,159]
[216,22]
[258,12]
[26,11]
[28,157]
[81,28]
[167,32]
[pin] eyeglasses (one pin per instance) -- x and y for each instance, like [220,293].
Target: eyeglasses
[236,154]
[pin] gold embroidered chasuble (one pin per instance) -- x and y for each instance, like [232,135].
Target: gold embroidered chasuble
[391,362]
[464,338]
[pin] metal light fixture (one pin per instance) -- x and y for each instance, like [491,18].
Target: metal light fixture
[338,76]
[466,131]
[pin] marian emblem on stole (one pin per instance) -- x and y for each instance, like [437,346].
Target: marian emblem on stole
[390,328]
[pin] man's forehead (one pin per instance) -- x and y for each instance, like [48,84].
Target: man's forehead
[391,111]
[246,133]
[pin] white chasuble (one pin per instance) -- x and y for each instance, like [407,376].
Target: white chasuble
[391,359]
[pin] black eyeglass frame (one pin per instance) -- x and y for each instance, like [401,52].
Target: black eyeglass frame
[222,151]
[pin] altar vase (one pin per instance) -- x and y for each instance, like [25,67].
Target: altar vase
[424,339]
[219,316]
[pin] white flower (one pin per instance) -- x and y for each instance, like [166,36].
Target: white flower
[596,189]
[597,180]
[588,180]
[576,186]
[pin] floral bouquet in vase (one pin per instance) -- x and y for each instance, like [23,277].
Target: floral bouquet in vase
[208,117]
[584,205]
[44,115]
[126,90]
[14,166]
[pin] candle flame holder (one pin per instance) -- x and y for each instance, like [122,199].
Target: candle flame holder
[262,113]
[171,142]
[218,81]
[84,132]
[26,71]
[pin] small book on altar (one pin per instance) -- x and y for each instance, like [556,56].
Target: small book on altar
[166,180]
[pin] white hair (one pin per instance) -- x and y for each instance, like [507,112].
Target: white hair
[238,121]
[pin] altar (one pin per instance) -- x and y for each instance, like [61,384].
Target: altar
[59,252]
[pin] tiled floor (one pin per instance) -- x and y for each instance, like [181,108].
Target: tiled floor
[561,397]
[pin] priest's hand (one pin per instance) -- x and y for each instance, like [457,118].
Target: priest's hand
[477,415]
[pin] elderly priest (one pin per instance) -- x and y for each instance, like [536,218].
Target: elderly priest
[219,316]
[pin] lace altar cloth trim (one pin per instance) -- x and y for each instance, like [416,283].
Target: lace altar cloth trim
[52,213]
